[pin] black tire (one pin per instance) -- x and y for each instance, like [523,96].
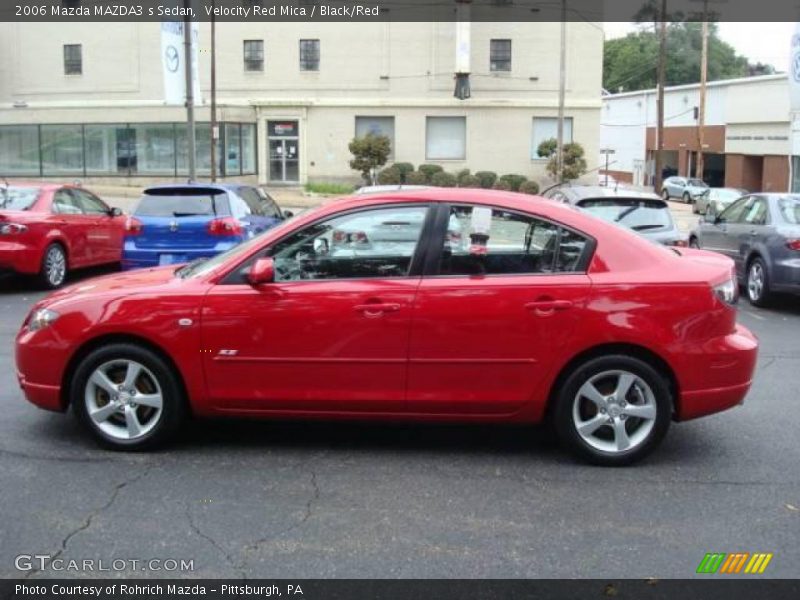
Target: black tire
[694,242]
[687,198]
[565,400]
[174,405]
[53,270]
[665,194]
[762,298]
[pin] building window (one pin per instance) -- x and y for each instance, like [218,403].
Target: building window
[62,149]
[19,150]
[446,138]
[546,128]
[377,126]
[254,55]
[500,55]
[309,55]
[73,60]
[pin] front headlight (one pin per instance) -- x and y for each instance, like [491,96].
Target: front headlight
[41,318]
[728,291]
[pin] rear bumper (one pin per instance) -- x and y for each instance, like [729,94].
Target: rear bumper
[18,258]
[137,258]
[786,275]
[727,365]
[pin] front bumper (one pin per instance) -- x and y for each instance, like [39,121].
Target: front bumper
[724,371]
[41,361]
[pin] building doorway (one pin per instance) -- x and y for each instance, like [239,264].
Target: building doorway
[284,151]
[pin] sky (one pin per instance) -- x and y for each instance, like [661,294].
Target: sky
[759,42]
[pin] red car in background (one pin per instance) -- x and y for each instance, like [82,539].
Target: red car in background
[372,308]
[49,229]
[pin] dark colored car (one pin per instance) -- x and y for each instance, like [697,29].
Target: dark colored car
[47,229]
[643,212]
[180,223]
[761,233]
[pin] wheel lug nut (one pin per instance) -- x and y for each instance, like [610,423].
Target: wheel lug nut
[603,410]
[120,387]
[610,421]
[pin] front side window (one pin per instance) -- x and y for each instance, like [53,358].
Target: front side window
[446,138]
[309,55]
[735,211]
[254,55]
[485,241]
[65,203]
[89,203]
[73,59]
[500,55]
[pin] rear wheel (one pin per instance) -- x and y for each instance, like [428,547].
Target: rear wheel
[53,271]
[127,397]
[613,410]
[687,198]
[757,283]
[665,194]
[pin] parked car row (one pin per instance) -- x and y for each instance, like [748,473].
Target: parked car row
[47,229]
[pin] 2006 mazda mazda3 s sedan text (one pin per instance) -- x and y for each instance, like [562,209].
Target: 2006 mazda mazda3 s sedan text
[426,305]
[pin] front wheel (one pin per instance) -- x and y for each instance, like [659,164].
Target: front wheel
[128,397]
[687,198]
[613,410]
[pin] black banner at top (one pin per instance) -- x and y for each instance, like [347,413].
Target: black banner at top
[266,11]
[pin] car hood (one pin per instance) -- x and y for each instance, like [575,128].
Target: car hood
[123,284]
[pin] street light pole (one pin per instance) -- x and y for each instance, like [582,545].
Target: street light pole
[562,83]
[662,55]
[189,72]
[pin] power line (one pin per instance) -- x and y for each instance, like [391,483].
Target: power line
[646,124]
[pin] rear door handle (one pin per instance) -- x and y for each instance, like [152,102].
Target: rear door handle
[376,308]
[549,305]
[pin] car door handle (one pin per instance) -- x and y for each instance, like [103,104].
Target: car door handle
[548,305]
[375,309]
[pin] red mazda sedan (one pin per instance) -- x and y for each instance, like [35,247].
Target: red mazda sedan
[429,305]
[48,229]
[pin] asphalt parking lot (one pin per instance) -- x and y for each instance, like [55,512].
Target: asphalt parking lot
[301,500]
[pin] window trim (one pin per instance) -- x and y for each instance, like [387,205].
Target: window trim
[436,244]
[415,268]
[493,60]
[318,55]
[246,61]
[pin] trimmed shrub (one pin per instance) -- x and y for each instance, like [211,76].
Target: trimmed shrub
[416,178]
[369,152]
[501,185]
[529,187]
[461,175]
[470,181]
[514,181]
[389,176]
[486,178]
[442,179]
[430,171]
[404,167]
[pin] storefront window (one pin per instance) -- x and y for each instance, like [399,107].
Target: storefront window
[233,149]
[154,145]
[62,149]
[19,150]
[106,149]
[248,148]
[202,135]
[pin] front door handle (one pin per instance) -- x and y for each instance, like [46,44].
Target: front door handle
[548,305]
[376,309]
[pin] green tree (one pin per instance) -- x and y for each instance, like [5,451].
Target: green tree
[369,152]
[629,63]
[574,162]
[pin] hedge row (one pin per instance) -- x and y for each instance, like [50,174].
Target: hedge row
[404,173]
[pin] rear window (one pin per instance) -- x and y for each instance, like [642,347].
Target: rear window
[790,209]
[183,205]
[636,214]
[18,198]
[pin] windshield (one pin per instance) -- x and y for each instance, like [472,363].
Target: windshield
[724,195]
[18,198]
[636,214]
[697,183]
[155,205]
[790,209]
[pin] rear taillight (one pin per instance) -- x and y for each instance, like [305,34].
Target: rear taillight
[133,226]
[225,226]
[680,243]
[12,228]
[793,245]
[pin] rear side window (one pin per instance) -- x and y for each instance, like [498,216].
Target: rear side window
[485,241]
[17,198]
[257,204]
[172,205]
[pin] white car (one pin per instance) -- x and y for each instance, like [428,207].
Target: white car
[685,188]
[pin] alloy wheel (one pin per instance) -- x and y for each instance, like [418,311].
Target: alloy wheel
[55,266]
[755,281]
[124,399]
[614,411]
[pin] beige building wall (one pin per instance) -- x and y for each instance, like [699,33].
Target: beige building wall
[404,70]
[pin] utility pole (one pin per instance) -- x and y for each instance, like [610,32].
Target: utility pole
[214,126]
[189,72]
[701,113]
[662,56]
[562,86]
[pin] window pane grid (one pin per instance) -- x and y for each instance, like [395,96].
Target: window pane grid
[72,59]
[253,55]
[309,55]
[500,55]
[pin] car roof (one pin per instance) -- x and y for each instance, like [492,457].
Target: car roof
[219,187]
[374,189]
[576,193]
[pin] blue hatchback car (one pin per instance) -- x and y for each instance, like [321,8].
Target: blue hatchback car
[178,223]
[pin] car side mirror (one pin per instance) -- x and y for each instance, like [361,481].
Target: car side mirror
[262,271]
[287,214]
[115,212]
